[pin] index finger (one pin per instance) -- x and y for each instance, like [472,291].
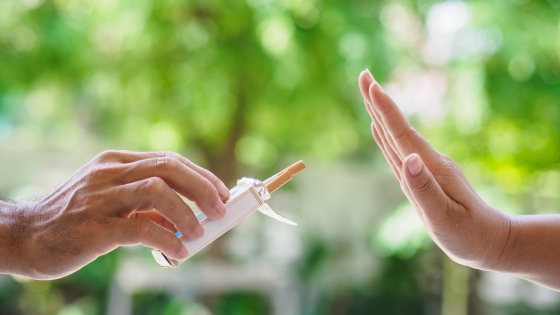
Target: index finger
[182,179]
[220,186]
[130,157]
[405,138]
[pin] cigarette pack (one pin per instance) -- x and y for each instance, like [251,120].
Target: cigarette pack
[248,196]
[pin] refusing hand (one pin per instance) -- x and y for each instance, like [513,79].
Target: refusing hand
[120,198]
[467,229]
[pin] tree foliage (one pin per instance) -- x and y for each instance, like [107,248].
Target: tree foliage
[247,82]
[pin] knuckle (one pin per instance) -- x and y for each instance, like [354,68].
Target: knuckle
[189,221]
[153,186]
[166,164]
[143,227]
[181,159]
[171,206]
[425,187]
[164,154]
[107,155]
[113,156]
[174,155]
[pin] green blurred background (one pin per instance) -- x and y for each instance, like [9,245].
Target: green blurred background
[247,87]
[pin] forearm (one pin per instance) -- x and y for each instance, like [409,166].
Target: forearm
[11,236]
[532,251]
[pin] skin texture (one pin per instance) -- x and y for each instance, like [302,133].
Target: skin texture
[119,198]
[466,228]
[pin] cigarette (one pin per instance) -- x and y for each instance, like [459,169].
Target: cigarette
[271,184]
[281,178]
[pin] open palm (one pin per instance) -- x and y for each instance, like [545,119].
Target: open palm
[470,231]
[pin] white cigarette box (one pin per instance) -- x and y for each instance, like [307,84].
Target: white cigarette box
[245,198]
[248,196]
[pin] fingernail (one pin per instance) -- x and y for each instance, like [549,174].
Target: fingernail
[199,231]
[415,165]
[184,253]
[223,191]
[220,208]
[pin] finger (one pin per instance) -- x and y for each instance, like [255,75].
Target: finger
[368,108]
[388,148]
[130,157]
[154,193]
[182,179]
[220,186]
[392,159]
[424,188]
[385,137]
[401,134]
[385,134]
[157,218]
[394,168]
[144,231]
[366,80]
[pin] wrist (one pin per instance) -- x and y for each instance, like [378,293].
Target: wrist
[13,237]
[505,245]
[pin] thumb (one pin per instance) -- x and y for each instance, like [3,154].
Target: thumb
[430,197]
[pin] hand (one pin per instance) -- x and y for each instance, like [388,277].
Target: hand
[119,198]
[467,229]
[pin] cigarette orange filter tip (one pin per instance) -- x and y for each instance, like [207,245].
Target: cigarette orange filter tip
[278,180]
